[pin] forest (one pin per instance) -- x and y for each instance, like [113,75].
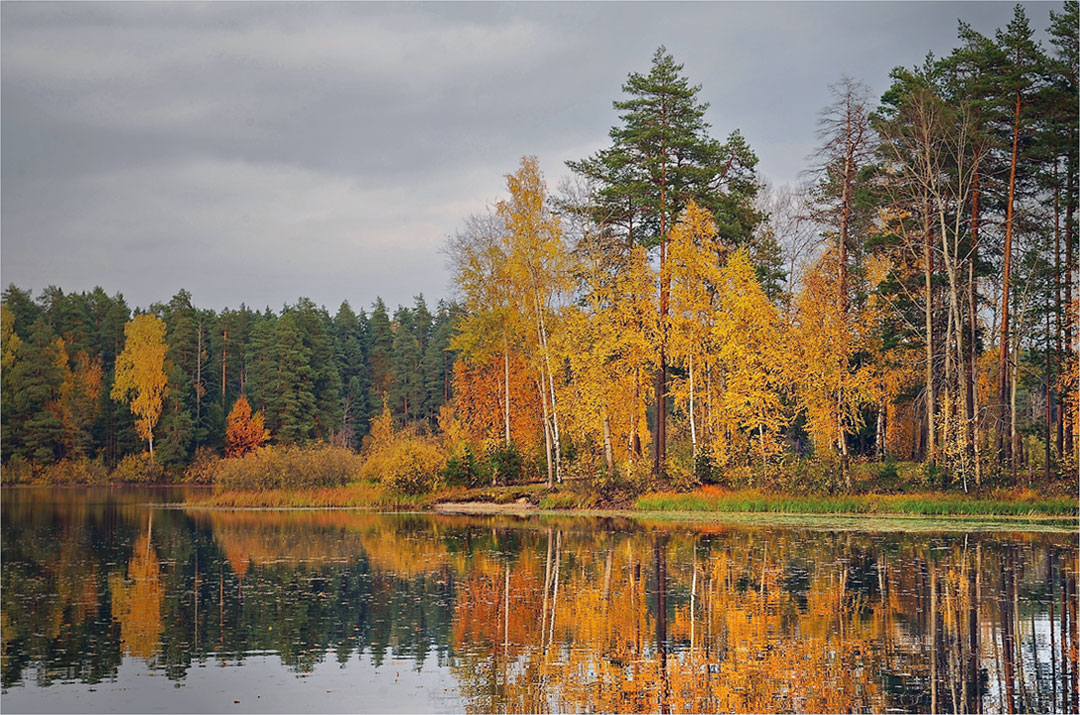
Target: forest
[662,319]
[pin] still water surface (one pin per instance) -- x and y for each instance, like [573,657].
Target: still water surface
[112,604]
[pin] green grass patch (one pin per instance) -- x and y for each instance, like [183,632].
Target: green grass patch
[1020,503]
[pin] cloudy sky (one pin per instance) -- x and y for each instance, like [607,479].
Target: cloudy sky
[261,152]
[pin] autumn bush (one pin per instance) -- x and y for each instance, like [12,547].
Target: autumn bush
[139,468]
[288,467]
[203,464]
[405,461]
[73,471]
[411,465]
[17,471]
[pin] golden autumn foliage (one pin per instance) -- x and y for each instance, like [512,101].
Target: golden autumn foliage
[140,373]
[404,460]
[244,432]
[728,338]
[832,386]
[9,339]
[137,600]
[79,401]
[608,341]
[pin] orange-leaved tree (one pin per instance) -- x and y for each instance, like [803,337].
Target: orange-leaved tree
[140,373]
[244,432]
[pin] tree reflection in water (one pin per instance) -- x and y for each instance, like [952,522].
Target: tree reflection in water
[553,614]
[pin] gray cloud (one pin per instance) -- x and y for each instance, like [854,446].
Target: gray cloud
[259,152]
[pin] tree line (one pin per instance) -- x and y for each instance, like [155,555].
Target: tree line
[665,312]
[313,376]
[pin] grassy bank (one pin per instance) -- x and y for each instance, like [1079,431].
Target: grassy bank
[368,495]
[999,503]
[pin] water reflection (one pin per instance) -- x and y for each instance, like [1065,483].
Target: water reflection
[542,615]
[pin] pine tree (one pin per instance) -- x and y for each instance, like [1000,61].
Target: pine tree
[380,347]
[32,427]
[406,395]
[352,361]
[293,406]
[661,158]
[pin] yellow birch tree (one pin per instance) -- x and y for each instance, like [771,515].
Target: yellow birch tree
[140,373]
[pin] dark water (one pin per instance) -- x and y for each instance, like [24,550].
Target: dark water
[109,604]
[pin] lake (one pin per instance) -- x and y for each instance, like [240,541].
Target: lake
[114,601]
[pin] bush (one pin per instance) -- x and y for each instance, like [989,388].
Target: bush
[413,466]
[461,471]
[680,473]
[203,464]
[404,461]
[288,467]
[504,461]
[16,471]
[140,468]
[74,471]
[409,464]
[705,469]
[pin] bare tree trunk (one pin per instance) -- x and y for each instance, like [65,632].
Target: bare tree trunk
[198,378]
[609,459]
[879,433]
[1057,318]
[555,588]
[547,433]
[506,390]
[931,401]
[551,385]
[1070,238]
[693,425]
[1003,348]
[1049,399]
[547,589]
[933,641]
[972,372]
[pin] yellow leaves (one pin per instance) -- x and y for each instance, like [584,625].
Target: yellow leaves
[9,340]
[727,336]
[140,372]
[609,343]
[137,601]
[833,388]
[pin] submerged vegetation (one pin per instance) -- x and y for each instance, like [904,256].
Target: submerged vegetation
[664,331]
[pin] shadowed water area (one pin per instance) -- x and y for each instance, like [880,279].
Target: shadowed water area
[112,604]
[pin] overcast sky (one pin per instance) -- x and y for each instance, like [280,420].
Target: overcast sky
[261,152]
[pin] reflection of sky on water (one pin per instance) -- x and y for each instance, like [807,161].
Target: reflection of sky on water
[261,683]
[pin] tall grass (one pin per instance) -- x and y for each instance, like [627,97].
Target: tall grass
[358,495]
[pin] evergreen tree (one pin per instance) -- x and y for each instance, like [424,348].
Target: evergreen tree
[661,158]
[380,347]
[352,365]
[406,394]
[261,359]
[316,329]
[23,308]
[291,410]
[31,428]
